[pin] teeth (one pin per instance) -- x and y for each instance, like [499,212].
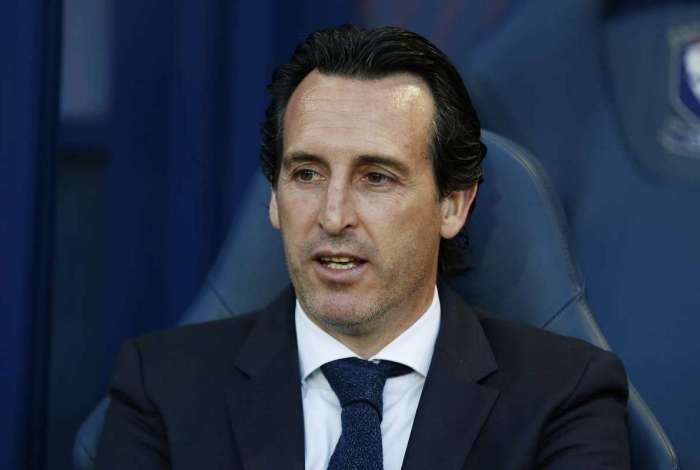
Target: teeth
[341,265]
[339,262]
[337,259]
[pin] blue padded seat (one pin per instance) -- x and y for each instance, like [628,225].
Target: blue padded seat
[593,88]
[522,270]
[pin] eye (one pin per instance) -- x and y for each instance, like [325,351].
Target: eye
[378,179]
[306,175]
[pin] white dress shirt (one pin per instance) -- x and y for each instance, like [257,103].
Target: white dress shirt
[322,425]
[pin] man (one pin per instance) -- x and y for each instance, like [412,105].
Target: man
[372,150]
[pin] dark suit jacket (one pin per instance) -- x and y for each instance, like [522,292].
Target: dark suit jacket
[227,395]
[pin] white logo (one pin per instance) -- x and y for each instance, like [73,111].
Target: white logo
[681,132]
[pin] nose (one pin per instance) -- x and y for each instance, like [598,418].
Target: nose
[338,211]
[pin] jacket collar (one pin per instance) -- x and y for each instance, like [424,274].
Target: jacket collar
[264,400]
[454,405]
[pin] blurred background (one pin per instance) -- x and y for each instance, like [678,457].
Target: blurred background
[130,129]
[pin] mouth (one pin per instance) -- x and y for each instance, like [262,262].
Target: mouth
[340,262]
[339,267]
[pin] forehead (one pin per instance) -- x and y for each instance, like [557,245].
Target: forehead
[392,114]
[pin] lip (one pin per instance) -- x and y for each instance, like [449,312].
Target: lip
[330,253]
[338,276]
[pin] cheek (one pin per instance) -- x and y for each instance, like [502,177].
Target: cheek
[401,228]
[298,215]
[297,209]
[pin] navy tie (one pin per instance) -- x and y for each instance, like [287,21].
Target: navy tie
[358,385]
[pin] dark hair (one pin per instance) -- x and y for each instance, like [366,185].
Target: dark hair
[354,52]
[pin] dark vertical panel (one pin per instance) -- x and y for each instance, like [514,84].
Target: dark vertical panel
[77,271]
[77,233]
[196,136]
[135,184]
[28,94]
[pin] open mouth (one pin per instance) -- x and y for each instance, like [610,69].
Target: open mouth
[340,263]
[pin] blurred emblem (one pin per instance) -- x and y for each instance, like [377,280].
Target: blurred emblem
[681,132]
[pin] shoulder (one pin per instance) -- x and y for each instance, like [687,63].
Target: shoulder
[216,339]
[203,352]
[545,362]
[201,339]
[185,354]
[569,396]
[511,338]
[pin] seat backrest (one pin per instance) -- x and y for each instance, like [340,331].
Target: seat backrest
[522,270]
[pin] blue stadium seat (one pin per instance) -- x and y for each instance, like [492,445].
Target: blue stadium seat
[522,269]
[601,92]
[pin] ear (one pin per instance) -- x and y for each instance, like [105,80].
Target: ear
[455,208]
[272,210]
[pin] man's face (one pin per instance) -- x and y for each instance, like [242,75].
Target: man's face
[357,204]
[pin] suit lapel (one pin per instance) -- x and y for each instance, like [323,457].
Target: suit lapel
[264,400]
[453,406]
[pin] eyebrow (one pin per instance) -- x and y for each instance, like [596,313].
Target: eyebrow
[390,162]
[301,157]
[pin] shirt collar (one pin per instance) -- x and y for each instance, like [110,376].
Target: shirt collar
[413,348]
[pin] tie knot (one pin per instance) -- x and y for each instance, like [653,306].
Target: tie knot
[354,379]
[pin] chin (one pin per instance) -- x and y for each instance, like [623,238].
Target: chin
[342,312]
